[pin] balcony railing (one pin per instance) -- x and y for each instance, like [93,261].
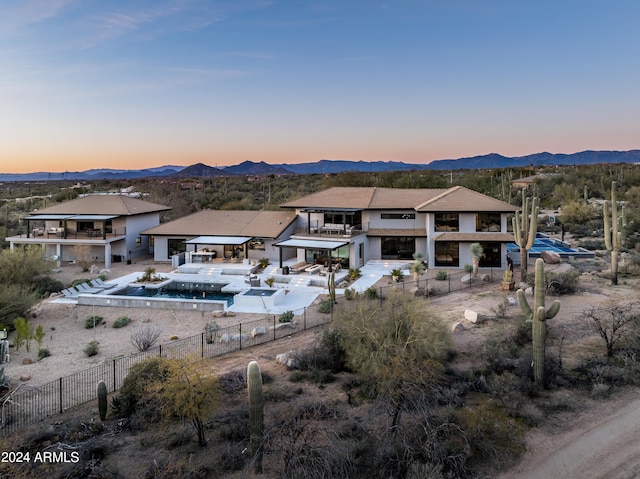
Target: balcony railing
[330,229]
[60,233]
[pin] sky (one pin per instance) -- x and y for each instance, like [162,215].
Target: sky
[144,83]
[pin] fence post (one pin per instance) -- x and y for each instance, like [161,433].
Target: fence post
[114,374]
[304,317]
[60,384]
[449,282]
[202,345]
[160,349]
[240,334]
[274,327]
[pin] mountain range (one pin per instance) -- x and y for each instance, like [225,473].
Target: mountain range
[261,168]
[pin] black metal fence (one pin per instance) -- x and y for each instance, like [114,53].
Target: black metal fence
[28,405]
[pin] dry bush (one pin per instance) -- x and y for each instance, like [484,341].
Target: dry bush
[145,338]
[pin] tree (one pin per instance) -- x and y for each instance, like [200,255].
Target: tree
[476,253]
[398,345]
[188,392]
[614,323]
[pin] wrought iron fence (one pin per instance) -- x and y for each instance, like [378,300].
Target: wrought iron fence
[28,405]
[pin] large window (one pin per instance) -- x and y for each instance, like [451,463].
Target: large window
[398,216]
[352,218]
[488,222]
[491,257]
[398,247]
[447,253]
[447,222]
[175,246]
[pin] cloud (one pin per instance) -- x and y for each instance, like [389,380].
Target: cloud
[16,15]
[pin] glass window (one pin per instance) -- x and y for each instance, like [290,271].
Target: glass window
[447,253]
[398,216]
[398,247]
[491,257]
[488,222]
[447,222]
[175,246]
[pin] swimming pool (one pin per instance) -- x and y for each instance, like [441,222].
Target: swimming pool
[201,292]
[544,243]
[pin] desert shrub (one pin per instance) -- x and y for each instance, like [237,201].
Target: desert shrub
[133,392]
[354,273]
[468,268]
[92,348]
[93,321]
[493,436]
[145,338]
[591,244]
[501,308]
[577,212]
[121,322]
[286,317]
[43,353]
[557,283]
[326,306]
[441,276]
[600,391]
[371,292]
[45,285]
[350,294]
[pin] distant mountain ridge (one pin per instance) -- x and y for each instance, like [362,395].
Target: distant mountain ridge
[492,160]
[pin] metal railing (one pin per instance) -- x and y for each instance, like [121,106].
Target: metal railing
[27,405]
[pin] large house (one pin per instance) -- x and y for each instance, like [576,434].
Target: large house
[349,226]
[221,234]
[109,226]
[355,225]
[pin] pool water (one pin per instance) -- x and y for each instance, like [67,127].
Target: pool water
[174,293]
[259,292]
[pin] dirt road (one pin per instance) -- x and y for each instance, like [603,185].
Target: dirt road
[604,444]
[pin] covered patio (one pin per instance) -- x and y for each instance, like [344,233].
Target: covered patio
[304,265]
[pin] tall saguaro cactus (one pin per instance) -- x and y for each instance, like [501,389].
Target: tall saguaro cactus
[525,230]
[256,411]
[102,400]
[539,315]
[614,231]
[331,285]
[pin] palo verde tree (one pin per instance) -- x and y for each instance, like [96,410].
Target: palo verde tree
[398,345]
[525,230]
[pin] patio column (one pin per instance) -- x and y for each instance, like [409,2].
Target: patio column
[308,222]
[280,255]
[59,254]
[107,255]
[330,266]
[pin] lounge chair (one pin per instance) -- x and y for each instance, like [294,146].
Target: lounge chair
[85,288]
[98,283]
[70,293]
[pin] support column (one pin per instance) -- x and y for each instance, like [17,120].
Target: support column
[107,255]
[59,254]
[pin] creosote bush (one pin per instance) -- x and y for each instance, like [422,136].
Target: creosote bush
[93,321]
[121,322]
[145,338]
[92,348]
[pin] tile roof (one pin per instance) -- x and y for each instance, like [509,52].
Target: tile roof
[457,198]
[266,224]
[461,199]
[120,205]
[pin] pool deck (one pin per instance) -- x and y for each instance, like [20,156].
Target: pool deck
[302,289]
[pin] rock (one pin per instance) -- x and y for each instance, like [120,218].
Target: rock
[466,279]
[550,257]
[94,269]
[25,378]
[105,272]
[529,291]
[475,317]
[513,301]
[287,325]
[289,359]
[457,327]
[258,331]
[27,361]
[486,278]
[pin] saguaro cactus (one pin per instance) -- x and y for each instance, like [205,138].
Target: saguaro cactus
[102,400]
[256,411]
[331,285]
[525,230]
[614,231]
[539,315]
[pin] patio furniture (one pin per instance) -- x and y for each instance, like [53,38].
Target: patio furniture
[297,267]
[250,277]
[70,293]
[314,269]
[99,283]
[85,288]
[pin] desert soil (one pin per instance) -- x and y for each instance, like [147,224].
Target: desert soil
[576,448]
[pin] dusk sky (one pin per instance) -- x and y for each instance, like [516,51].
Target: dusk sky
[144,83]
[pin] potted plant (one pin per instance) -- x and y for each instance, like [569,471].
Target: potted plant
[396,275]
[507,280]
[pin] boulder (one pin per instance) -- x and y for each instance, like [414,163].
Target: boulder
[457,327]
[25,378]
[529,291]
[105,272]
[466,279]
[475,317]
[486,278]
[258,331]
[550,257]
[27,361]
[94,269]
